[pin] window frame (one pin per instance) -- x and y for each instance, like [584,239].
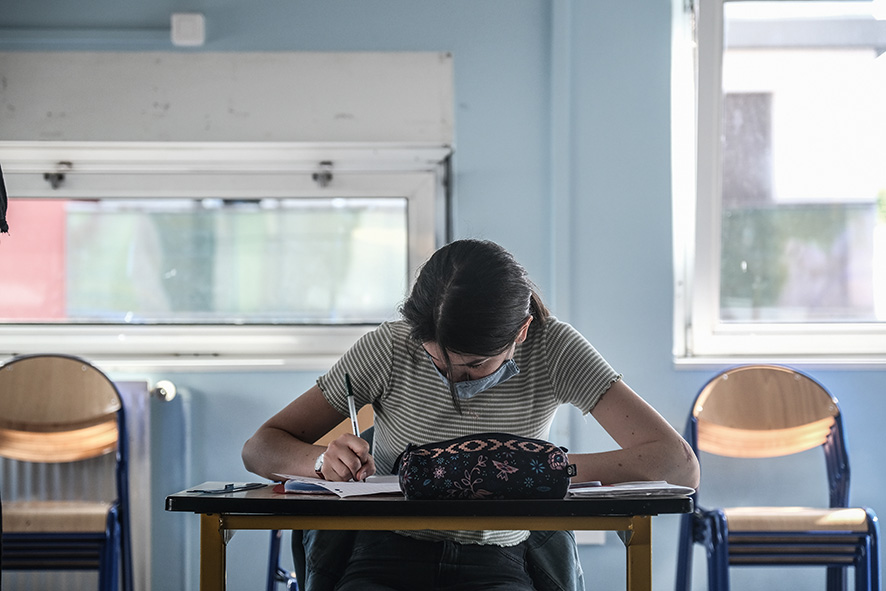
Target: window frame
[700,337]
[417,172]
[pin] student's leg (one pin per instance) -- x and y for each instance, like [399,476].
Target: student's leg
[553,561]
[472,567]
[320,557]
[385,561]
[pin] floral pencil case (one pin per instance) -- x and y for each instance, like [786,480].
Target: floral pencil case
[485,466]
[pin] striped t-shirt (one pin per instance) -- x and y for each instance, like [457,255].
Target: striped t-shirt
[412,404]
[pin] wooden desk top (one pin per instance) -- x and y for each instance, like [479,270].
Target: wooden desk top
[264,501]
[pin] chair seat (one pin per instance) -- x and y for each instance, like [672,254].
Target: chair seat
[795,519]
[54,516]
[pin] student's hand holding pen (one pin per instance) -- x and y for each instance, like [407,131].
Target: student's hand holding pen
[348,458]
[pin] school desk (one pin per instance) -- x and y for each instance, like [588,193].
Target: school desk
[263,509]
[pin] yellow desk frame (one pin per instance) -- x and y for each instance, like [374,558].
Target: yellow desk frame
[222,513]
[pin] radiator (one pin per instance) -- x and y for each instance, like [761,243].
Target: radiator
[35,481]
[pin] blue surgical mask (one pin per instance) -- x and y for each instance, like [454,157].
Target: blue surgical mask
[470,388]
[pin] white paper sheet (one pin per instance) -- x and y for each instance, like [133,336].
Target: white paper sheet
[643,488]
[373,485]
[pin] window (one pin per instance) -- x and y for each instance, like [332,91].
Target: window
[206,261]
[787,212]
[199,255]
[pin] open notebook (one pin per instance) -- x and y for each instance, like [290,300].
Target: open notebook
[373,485]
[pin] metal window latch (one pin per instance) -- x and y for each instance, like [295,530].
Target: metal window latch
[323,176]
[56,178]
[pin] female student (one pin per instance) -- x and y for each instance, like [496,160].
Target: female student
[476,351]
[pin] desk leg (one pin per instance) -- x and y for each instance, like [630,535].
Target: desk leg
[638,545]
[212,554]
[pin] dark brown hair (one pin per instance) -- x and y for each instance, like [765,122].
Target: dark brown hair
[471,297]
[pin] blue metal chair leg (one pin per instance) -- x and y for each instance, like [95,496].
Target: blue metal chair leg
[836,578]
[862,567]
[684,553]
[718,553]
[276,573]
[108,560]
[874,551]
[273,560]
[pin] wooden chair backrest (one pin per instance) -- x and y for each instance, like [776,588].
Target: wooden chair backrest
[55,408]
[760,411]
[365,420]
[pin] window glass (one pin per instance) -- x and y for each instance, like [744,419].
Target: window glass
[802,166]
[210,260]
[780,236]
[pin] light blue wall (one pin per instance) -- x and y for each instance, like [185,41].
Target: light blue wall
[562,154]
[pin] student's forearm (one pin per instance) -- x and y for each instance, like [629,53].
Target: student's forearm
[649,447]
[675,464]
[272,451]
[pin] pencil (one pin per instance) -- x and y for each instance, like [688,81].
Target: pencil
[352,408]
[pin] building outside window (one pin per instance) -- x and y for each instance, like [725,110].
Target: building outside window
[787,212]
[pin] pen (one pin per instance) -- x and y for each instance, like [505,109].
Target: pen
[352,408]
[228,488]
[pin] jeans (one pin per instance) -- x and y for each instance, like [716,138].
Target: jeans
[385,561]
[554,565]
[322,556]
